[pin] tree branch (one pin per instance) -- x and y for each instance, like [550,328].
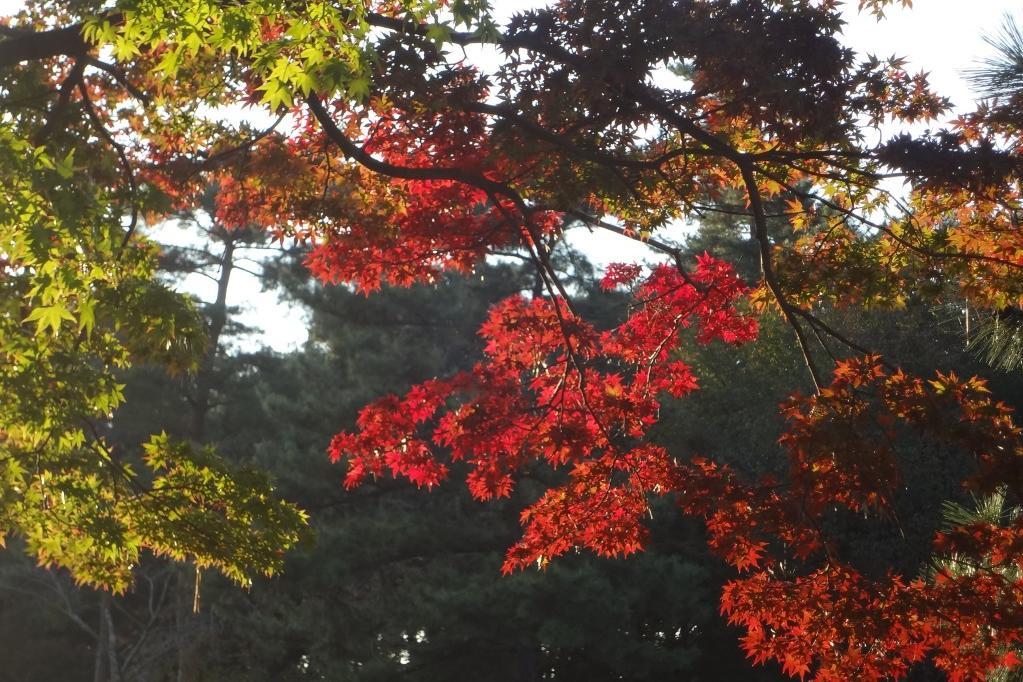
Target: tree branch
[759,230]
[56,115]
[364,158]
[36,45]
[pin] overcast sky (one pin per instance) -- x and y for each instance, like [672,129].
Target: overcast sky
[941,37]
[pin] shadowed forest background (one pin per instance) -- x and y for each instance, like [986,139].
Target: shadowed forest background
[395,583]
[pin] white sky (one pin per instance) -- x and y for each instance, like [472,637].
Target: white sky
[941,37]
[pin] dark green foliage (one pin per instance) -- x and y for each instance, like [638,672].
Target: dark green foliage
[998,339]
[1001,75]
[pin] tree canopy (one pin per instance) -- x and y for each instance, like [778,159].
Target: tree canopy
[395,160]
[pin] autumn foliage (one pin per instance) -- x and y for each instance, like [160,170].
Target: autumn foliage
[554,389]
[395,161]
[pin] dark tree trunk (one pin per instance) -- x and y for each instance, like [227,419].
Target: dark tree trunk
[187,620]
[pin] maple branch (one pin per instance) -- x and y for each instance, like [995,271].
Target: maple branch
[533,42]
[558,140]
[56,115]
[529,41]
[462,38]
[141,492]
[364,158]
[759,229]
[824,344]
[676,253]
[35,45]
[491,187]
[542,261]
[640,92]
[637,91]
[120,77]
[129,173]
[817,323]
[216,159]
[643,94]
[827,155]
[922,250]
